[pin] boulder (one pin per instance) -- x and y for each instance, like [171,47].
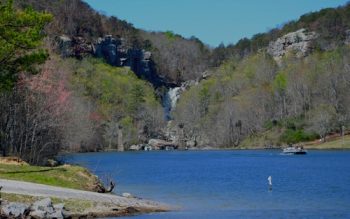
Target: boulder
[127,195]
[38,214]
[56,215]
[58,207]
[15,210]
[159,143]
[44,209]
[44,205]
[135,147]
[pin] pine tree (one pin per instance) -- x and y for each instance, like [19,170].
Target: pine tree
[21,33]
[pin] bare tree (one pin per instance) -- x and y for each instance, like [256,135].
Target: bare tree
[321,120]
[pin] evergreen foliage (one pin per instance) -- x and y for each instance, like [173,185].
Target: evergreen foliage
[21,34]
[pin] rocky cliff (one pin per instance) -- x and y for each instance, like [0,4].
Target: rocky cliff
[115,51]
[299,42]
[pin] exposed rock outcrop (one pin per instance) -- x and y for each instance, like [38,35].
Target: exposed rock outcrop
[115,52]
[65,46]
[74,47]
[298,42]
[347,37]
[111,49]
[159,144]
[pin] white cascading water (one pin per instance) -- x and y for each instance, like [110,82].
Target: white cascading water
[170,100]
[174,95]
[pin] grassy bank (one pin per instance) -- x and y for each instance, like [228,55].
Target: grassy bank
[75,177]
[272,137]
[334,143]
[67,176]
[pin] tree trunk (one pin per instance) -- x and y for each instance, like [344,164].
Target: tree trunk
[120,139]
[102,189]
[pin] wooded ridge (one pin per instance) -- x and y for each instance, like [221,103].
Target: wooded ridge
[73,79]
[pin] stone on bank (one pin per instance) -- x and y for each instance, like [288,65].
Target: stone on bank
[39,210]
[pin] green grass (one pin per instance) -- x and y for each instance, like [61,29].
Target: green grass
[273,137]
[63,176]
[337,143]
[19,198]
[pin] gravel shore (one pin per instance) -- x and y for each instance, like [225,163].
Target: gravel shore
[109,204]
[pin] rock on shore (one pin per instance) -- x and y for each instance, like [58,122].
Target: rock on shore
[79,203]
[38,210]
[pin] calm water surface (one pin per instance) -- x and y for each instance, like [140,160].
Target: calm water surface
[231,184]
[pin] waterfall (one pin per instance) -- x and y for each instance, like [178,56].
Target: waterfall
[169,101]
[174,95]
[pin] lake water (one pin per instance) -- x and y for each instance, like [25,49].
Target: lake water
[231,184]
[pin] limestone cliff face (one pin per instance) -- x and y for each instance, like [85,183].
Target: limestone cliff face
[347,37]
[299,42]
[115,52]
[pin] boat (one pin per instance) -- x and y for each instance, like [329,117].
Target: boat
[148,148]
[294,150]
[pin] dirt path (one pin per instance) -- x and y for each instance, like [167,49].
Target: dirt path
[33,189]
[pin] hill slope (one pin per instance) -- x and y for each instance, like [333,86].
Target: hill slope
[173,55]
[291,80]
[332,25]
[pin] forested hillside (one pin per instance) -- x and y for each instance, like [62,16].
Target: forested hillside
[255,100]
[173,55]
[58,94]
[285,86]
[332,25]
[51,104]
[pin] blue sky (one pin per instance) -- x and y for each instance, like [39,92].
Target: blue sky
[212,21]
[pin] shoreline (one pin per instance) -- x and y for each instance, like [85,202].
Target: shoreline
[215,149]
[71,185]
[80,203]
[334,143]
